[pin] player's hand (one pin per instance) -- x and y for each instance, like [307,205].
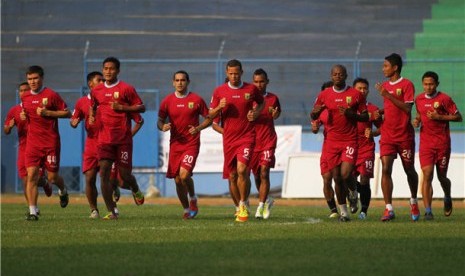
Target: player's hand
[315,126]
[42,111]
[11,123]
[222,103]
[22,115]
[382,91]
[75,122]
[433,115]
[377,115]
[416,123]
[116,106]
[274,112]
[193,130]
[166,127]
[252,115]
[368,133]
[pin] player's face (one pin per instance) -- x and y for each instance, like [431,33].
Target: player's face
[95,81]
[388,69]
[260,82]
[23,89]
[362,87]
[429,86]
[180,83]
[110,72]
[338,76]
[234,75]
[35,81]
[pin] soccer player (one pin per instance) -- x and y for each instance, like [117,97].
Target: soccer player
[263,157]
[115,100]
[13,119]
[217,125]
[328,190]
[115,179]
[435,110]
[42,107]
[397,134]
[345,107]
[366,149]
[235,100]
[89,157]
[183,109]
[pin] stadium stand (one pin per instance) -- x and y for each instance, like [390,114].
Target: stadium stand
[53,34]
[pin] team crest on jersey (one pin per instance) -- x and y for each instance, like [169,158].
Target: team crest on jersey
[116,95]
[247,96]
[190,105]
[44,101]
[399,91]
[436,105]
[348,100]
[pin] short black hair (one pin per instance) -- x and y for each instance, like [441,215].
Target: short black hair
[326,84]
[259,72]
[23,83]
[92,75]
[113,60]
[234,63]
[362,80]
[395,59]
[35,69]
[181,72]
[431,74]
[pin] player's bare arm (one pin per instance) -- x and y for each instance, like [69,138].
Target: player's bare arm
[406,107]
[162,126]
[316,111]
[433,115]
[213,112]
[275,113]
[44,112]
[74,122]
[206,123]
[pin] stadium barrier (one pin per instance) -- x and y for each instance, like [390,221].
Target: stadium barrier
[302,177]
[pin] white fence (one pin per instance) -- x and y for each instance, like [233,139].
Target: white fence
[302,178]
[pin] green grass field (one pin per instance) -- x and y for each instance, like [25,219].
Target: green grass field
[297,240]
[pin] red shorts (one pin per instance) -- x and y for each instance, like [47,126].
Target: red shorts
[324,167]
[21,163]
[264,158]
[236,153]
[121,154]
[365,163]
[185,159]
[90,156]
[438,157]
[405,149]
[47,157]
[337,152]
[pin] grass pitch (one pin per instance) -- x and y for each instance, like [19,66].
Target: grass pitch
[297,240]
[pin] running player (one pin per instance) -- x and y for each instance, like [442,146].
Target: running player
[435,110]
[89,157]
[345,107]
[328,190]
[366,148]
[42,107]
[263,157]
[397,134]
[235,100]
[115,100]
[183,109]
[13,119]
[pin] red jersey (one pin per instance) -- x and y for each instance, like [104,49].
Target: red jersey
[397,125]
[183,112]
[237,129]
[435,133]
[42,131]
[364,143]
[115,127]
[264,124]
[21,126]
[81,112]
[338,127]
